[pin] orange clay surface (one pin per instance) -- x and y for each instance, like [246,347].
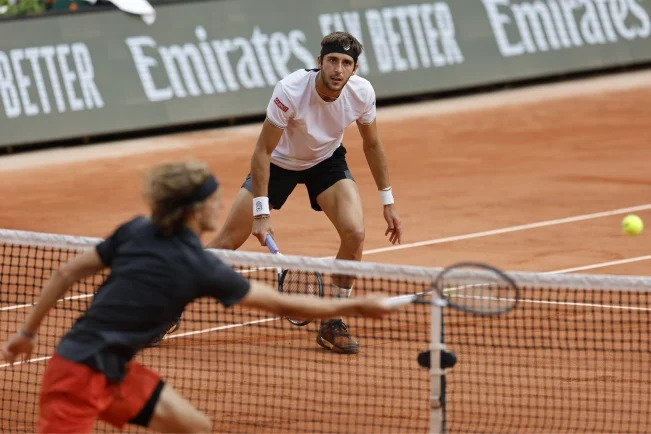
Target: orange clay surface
[459,166]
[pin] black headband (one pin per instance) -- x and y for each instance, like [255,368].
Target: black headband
[201,193]
[345,48]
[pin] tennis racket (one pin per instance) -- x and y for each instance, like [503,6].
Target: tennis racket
[470,287]
[296,282]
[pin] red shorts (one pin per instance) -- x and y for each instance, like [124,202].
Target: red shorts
[73,396]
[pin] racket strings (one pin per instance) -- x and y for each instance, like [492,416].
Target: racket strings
[298,282]
[495,297]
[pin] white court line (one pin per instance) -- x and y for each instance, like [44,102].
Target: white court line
[601,265]
[509,229]
[229,326]
[602,306]
[78,297]
[526,300]
[180,335]
[224,327]
[94,151]
[252,270]
[20,306]
[38,359]
[445,240]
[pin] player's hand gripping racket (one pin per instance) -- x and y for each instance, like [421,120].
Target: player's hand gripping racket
[470,287]
[296,282]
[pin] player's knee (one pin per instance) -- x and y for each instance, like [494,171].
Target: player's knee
[203,424]
[354,239]
[173,414]
[199,424]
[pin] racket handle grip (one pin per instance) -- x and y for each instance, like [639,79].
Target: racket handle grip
[402,300]
[271,244]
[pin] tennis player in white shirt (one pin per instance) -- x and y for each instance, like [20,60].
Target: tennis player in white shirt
[300,143]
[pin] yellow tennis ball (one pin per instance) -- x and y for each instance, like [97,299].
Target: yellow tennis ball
[632,225]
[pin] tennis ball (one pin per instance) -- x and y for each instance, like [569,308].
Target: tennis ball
[632,225]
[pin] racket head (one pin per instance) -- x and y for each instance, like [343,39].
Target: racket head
[301,282]
[477,288]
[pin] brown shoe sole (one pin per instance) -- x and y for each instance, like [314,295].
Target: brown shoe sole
[327,345]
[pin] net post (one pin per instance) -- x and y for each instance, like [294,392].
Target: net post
[437,375]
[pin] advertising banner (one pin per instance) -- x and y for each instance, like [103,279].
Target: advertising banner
[94,73]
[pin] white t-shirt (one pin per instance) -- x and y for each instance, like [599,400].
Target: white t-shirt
[314,128]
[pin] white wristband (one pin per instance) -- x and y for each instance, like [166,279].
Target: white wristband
[260,206]
[386,196]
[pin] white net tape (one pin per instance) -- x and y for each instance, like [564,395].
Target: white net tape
[352,268]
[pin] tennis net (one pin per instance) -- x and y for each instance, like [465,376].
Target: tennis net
[573,356]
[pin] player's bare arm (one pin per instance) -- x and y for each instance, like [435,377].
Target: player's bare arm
[61,280]
[377,162]
[260,163]
[261,296]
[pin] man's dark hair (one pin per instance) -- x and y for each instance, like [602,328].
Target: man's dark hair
[341,42]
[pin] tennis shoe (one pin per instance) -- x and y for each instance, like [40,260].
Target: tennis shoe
[334,336]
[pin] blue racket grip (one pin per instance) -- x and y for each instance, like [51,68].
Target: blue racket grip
[271,244]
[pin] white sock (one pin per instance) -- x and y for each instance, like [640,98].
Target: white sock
[339,292]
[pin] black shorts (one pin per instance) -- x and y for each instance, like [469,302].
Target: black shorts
[317,179]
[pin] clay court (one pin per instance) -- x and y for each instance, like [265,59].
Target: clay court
[534,179]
